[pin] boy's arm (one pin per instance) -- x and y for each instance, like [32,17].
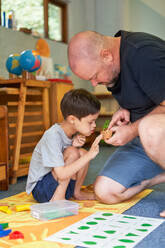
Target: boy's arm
[68,171]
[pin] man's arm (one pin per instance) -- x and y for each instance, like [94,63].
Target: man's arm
[125,133]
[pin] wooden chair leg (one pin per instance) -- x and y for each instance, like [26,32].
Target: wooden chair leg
[4,167]
[19,126]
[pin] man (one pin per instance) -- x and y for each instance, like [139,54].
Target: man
[132,66]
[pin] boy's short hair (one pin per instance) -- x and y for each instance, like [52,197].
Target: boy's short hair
[80,103]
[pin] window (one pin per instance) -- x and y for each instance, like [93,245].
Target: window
[47,18]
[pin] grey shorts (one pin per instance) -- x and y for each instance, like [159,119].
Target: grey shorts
[129,165]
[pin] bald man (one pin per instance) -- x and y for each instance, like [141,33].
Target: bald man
[132,66]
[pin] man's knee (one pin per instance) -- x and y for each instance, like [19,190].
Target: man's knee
[106,191]
[151,131]
[146,128]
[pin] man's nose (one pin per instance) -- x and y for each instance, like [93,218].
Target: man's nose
[94,83]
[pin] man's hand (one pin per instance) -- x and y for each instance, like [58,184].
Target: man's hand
[121,117]
[121,135]
[79,140]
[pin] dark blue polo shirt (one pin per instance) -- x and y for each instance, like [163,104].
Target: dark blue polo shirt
[141,84]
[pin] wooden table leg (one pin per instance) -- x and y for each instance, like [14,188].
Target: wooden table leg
[18,135]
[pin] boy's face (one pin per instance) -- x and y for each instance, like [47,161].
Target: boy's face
[86,125]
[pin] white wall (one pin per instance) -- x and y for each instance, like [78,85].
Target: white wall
[112,15]
[81,18]
[135,15]
[148,16]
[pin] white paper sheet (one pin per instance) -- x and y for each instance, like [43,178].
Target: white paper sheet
[101,230]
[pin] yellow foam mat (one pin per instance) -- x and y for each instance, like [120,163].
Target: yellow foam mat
[35,231]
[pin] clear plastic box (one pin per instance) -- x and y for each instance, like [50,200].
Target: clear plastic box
[53,210]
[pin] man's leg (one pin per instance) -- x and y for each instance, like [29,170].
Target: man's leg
[110,192]
[127,172]
[152,136]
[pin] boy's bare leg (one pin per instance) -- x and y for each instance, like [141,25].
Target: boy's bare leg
[80,177]
[70,155]
[60,191]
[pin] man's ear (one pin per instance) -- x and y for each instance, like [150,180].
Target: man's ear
[106,55]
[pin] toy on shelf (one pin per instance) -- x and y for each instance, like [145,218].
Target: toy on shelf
[62,71]
[30,60]
[13,64]
[46,69]
[25,64]
[42,48]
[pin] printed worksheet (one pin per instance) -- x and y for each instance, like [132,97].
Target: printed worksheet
[101,230]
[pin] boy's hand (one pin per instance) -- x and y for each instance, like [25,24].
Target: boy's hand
[79,140]
[94,150]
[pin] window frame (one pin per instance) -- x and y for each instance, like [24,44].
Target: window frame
[64,18]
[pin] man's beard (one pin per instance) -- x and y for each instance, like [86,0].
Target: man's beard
[113,82]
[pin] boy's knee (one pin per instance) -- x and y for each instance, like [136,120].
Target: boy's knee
[72,152]
[82,151]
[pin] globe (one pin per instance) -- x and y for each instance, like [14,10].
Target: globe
[13,64]
[30,60]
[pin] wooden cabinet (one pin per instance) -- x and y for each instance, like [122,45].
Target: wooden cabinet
[28,117]
[57,90]
[108,107]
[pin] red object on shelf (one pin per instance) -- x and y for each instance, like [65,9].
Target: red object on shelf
[16,235]
[60,80]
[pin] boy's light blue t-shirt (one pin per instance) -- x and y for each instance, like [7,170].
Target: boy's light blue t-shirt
[47,154]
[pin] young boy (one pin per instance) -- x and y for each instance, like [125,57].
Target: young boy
[59,165]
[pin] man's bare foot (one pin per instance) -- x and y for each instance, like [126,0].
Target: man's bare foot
[162,214]
[84,196]
[146,183]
